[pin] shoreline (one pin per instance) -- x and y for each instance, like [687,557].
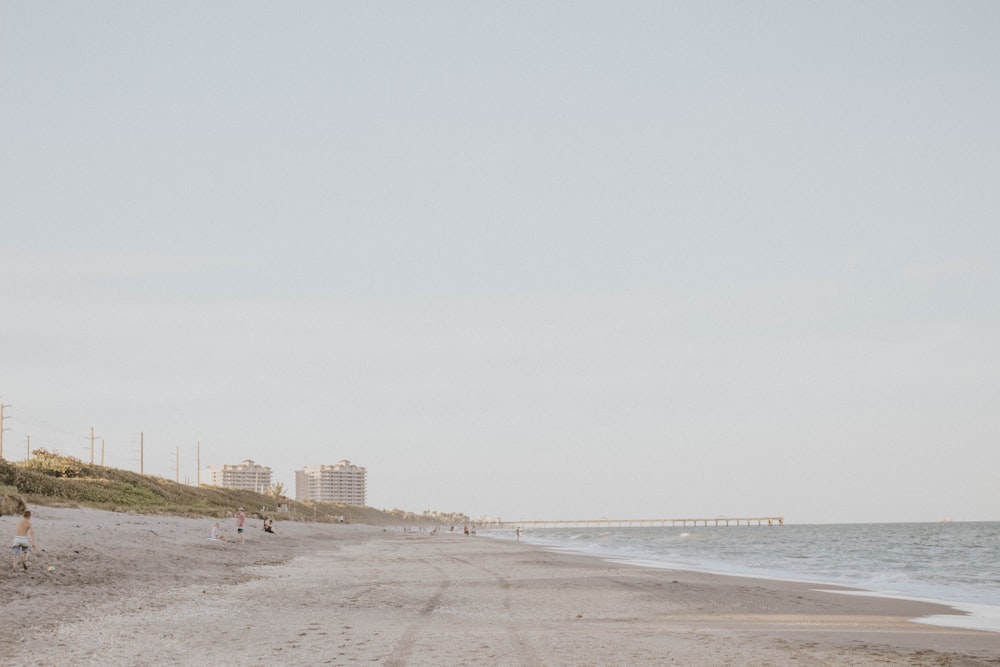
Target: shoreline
[137,589]
[964,613]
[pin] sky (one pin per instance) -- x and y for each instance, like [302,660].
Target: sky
[529,260]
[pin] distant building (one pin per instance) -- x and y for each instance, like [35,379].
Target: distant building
[342,482]
[245,475]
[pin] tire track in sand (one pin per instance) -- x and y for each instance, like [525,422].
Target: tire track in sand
[406,643]
[522,644]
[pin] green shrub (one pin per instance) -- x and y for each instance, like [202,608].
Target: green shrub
[56,465]
[11,505]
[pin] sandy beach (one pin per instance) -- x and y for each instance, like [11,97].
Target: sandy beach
[138,590]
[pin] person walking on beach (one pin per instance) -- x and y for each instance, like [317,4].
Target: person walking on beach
[24,541]
[241,520]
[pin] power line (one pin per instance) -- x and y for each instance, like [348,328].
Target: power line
[47,435]
[52,437]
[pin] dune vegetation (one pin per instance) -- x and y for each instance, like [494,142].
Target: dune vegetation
[56,480]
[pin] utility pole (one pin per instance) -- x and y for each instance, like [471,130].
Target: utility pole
[102,451]
[2,427]
[28,457]
[91,445]
[142,445]
[198,477]
[178,467]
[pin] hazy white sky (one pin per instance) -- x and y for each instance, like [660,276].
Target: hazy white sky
[535,260]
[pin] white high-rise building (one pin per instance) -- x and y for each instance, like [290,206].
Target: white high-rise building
[342,482]
[245,475]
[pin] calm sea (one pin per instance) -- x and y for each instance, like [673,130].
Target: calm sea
[955,563]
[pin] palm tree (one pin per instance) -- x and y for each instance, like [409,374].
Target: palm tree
[276,490]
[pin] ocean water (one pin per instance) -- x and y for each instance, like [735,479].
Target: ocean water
[954,563]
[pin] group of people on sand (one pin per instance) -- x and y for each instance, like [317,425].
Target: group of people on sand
[241,521]
[24,536]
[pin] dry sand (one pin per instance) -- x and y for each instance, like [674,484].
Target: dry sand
[141,590]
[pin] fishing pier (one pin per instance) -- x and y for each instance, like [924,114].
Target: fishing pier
[617,523]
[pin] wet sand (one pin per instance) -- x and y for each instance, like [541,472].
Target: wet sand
[139,590]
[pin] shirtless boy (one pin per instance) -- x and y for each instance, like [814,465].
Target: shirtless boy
[241,520]
[24,537]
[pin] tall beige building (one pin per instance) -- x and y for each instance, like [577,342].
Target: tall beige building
[342,482]
[246,475]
